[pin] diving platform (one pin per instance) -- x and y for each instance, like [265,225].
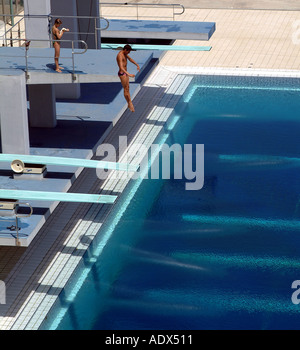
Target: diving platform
[171,30]
[94,66]
[43,195]
[136,47]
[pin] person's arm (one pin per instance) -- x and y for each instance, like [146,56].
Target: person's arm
[133,61]
[59,33]
[64,30]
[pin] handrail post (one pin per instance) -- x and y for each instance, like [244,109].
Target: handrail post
[18,243]
[5,36]
[73,62]
[19,31]
[96,36]
[137,11]
[26,60]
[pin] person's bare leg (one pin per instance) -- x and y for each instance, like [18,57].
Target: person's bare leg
[125,84]
[56,57]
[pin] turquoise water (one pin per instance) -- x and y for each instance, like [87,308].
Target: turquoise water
[223,257]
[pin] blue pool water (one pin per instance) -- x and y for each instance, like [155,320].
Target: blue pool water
[223,257]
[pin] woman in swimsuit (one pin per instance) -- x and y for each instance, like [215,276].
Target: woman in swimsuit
[57,34]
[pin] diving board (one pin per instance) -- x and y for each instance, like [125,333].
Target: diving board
[56,196]
[146,29]
[64,161]
[95,66]
[137,47]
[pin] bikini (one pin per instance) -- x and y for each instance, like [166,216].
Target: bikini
[121,74]
[54,37]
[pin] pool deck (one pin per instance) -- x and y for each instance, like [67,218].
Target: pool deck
[255,42]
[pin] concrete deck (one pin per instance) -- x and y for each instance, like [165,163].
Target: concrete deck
[146,29]
[289,5]
[253,39]
[92,66]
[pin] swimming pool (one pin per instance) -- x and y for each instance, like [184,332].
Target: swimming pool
[223,257]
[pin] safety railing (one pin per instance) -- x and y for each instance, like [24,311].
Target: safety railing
[13,7]
[11,32]
[95,20]
[12,36]
[6,214]
[74,52]
[138,13]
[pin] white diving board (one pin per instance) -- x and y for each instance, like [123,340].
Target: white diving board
[136,47]
[56,196]
[64,161]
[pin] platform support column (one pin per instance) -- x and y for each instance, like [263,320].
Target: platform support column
[90,9]
[41,97]
[42,106]
[67,8]
[37,27]
[13,114]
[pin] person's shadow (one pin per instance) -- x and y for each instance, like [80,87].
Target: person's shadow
[67,70]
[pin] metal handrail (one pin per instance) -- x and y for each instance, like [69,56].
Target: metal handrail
[27,46]
[95,18]
[5,38]
[18,23]
[50,18]
[14,212]
[138,5]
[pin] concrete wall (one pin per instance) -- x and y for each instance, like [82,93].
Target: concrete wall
[42,106]
[13,113]
[59,9]
[37,28]
[90,9]
[85,8]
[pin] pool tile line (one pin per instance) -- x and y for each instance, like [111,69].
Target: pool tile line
[280,73]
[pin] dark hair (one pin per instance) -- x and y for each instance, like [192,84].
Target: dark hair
[58,21]
[127,47]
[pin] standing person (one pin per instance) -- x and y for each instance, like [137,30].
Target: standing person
[122,58]
[57,34]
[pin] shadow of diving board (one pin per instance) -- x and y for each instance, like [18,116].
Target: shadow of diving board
[56,196]
[172,30]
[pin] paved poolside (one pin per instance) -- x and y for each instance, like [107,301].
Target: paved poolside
[244,39]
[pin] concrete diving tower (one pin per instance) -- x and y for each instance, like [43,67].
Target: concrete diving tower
[38,74]
[17,79]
